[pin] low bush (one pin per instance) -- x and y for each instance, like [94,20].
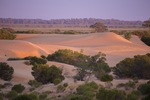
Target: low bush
[113,94]
[6,71]
[87,90]
[144,88]
[106,78]
[18,88]
[146,40]
[137,67]
[45,74]
[57,81]
[37,60]
[60,88]
[12,94]
[7,34]
[34,83]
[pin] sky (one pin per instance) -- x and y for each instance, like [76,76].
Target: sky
[60,9]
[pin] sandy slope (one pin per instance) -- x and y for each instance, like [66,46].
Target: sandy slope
[19,48]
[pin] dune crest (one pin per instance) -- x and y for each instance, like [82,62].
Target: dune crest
[18,48]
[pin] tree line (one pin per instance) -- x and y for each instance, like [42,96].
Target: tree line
[72,22]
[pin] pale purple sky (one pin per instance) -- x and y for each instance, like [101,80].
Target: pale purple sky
[57,9]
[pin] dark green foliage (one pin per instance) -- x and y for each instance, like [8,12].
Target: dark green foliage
[130,84]
[6,71]
[113,94]
[87,90]
[146,23]
[99,27]
[106,78]
[57,81]
[69,57]
[45,74]
[144,88]
[6,33]
[70,32]
[36,60]
[80,74]
[146,97]
[1,97]
[134,95]
[125,68]
[24,97]
[10,59]
[75,97]
[138,67]
[42,96]
[65,84]
[87,64]
[60,88]
[146,40]
[18,88]
[12,94]
[34,83]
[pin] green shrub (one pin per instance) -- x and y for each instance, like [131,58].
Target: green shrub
[36,60]
[23,97]
[60,88]
[42,96]
[7,34]
[57,81]
[106,78]
[65,84]
[45,74]
[12,94]
[144,88]
[130,84]
[104,94]
[138,67]
[146,97]
[69,57]
[146,40]
[34,83]
[99,27]
[18,88]
[6,71]
[87,90]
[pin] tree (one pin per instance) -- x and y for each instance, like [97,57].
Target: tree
[6,33]
[99,27]
[146,23]
[18,88]
[45,74]
[139,67]
[6,71]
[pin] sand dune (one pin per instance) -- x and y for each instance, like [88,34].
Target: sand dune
[114,46]
[19,48]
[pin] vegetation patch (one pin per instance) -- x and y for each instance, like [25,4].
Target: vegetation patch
[7,33]
[6,71]
[18,88]
[47,74]
[138,67]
